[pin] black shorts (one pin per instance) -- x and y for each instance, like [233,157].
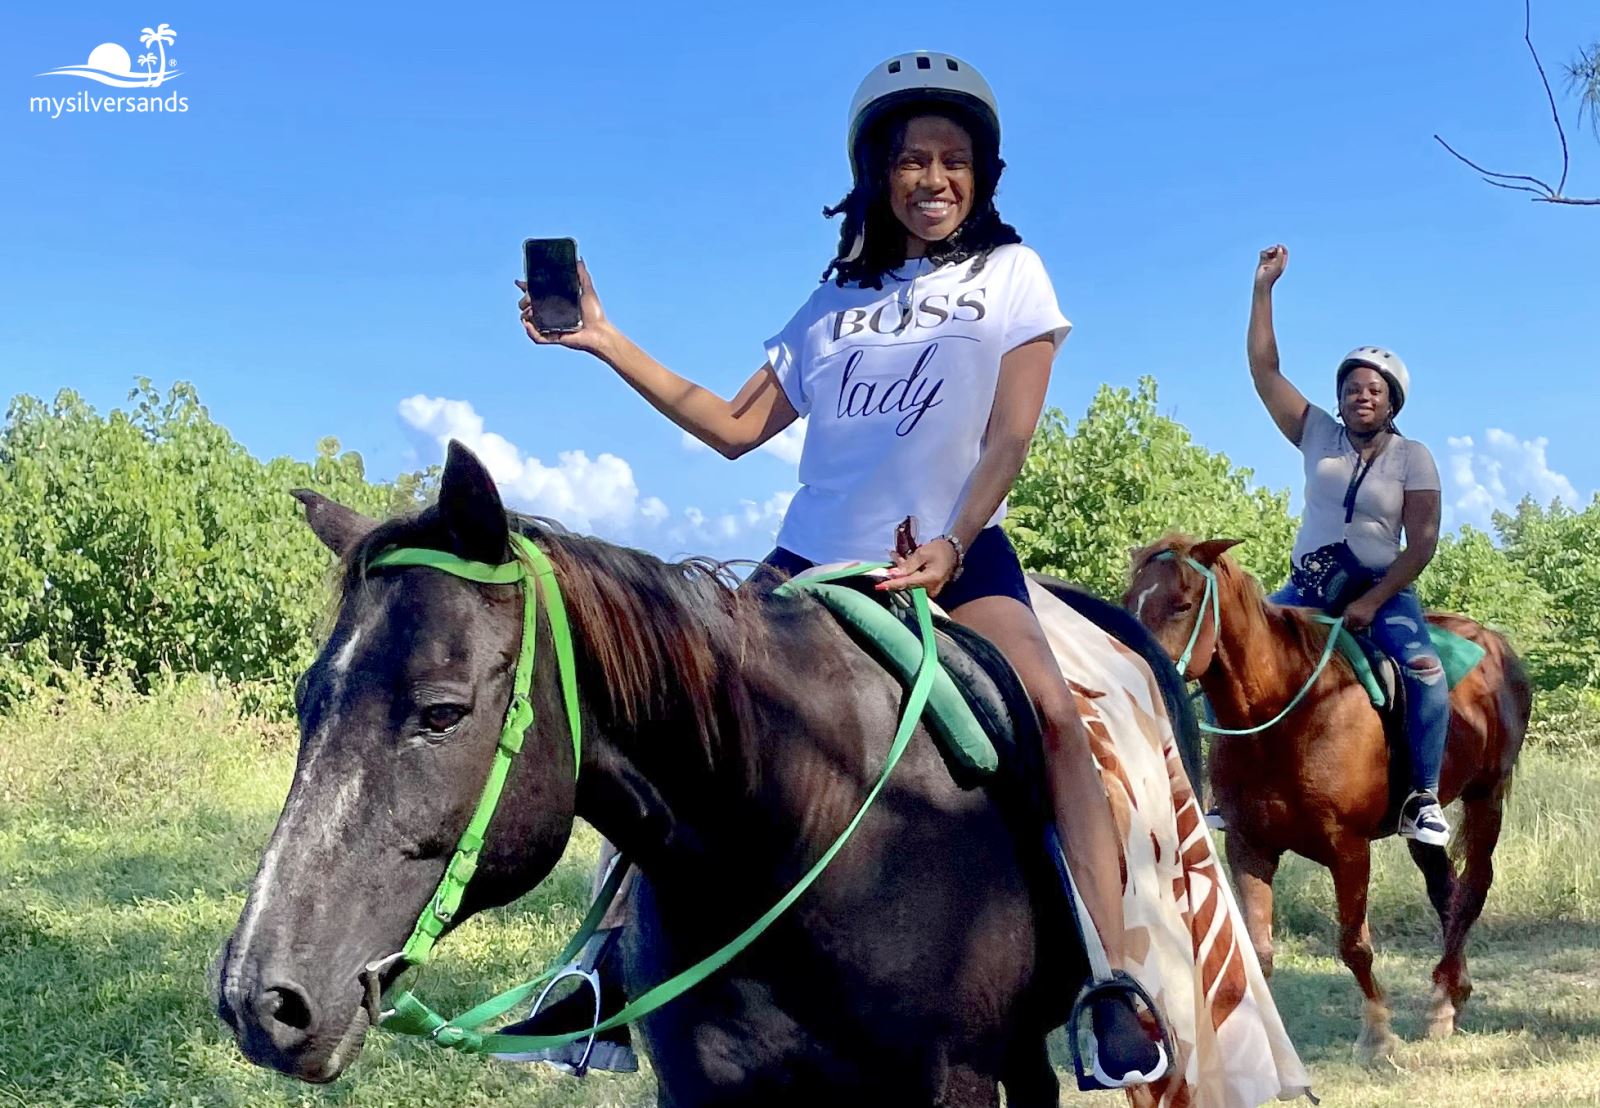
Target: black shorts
[991,568]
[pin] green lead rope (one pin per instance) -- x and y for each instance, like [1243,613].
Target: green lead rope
[1211,598]
[407,1014]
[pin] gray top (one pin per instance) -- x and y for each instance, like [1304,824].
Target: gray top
[1374,530]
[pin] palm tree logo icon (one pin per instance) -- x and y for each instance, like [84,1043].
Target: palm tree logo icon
[161,36]
[110,64]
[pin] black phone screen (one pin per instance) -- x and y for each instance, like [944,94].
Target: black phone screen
[551,266]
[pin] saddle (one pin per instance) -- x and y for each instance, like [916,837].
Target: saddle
[978,712]
[1379,674]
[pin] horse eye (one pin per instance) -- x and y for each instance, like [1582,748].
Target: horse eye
[439,719]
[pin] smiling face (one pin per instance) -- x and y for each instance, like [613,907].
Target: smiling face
[931,180]
[1364,401]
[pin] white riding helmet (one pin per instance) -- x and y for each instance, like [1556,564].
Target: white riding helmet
[922,75]
[1386,362]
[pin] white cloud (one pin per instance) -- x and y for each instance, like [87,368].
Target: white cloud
[586,494]
[598,495]
[752,521]
[785,445]
[1483,478]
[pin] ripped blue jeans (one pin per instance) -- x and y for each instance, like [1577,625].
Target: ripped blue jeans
[1401,631]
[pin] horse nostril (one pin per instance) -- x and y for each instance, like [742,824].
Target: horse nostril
[284,1012]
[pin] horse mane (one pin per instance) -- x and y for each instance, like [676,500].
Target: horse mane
[1304,634]
[651,633]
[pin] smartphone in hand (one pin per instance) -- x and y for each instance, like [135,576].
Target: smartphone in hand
[551,268]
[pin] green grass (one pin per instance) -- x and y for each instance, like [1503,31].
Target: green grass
[130,826]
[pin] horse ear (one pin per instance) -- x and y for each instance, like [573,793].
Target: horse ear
[1207,553]
[470,506]
[338,527]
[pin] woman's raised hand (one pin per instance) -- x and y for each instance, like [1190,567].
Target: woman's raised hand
[1274,259]
[596,331]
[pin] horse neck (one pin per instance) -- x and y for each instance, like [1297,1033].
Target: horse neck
[660,779]
[1258,663]
[721,817]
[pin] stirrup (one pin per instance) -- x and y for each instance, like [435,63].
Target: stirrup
[1093,1077]
[559,1057]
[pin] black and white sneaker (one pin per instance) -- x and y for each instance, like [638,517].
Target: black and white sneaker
[1214,819]
[1422,820]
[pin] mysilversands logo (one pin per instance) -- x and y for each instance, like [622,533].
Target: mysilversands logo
[110,64]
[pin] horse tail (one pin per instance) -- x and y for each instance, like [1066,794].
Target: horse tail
[1122,625]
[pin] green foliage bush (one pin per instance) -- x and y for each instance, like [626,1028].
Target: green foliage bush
[1122,477]
[148,540]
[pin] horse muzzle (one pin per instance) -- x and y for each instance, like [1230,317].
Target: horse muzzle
[281,1025]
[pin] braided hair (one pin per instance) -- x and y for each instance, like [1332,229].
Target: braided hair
[872,240]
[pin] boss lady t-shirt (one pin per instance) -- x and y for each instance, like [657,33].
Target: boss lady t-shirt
[898,384]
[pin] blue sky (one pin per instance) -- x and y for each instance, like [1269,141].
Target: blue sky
[324,242]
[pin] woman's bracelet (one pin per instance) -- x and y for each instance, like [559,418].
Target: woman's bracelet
[961,552]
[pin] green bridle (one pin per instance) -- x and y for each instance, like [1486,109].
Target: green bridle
[446,901]
[406,1014]
[1211,597]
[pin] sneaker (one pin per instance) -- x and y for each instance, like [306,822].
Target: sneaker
[1124,1052]
[1422,820]
[1215,821]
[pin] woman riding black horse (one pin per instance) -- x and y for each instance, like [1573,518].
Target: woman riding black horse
[921,361]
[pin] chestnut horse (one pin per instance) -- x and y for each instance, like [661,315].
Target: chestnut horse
[1319,781]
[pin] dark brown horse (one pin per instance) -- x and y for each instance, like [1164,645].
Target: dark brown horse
[727,739]
[1319,782]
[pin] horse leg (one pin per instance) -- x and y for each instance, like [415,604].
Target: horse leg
[1029,1078]
[1352,867]
[1253,870]
[1440,874]
[1480,832]
[967,1087]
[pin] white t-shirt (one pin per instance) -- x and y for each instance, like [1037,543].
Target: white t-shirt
[898,383]
[1374,528]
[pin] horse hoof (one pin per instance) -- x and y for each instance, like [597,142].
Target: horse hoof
[1441,1015]
[1378,1049]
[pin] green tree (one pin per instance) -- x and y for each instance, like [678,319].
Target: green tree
[1472,576]
[1124,476]
[1556,548]
[149,539]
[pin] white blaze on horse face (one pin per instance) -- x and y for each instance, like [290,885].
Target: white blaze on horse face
[265,883]
[341,660]
[1138,608]
[292,822]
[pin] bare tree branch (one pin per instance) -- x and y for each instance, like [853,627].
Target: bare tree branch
[1527,37]
[1544,193]
[1515,188]
[1487,173]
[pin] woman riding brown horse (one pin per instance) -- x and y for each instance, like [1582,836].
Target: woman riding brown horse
[1318,782]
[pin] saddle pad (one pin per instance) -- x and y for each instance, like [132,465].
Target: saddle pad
[1458,654]
[960,736]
